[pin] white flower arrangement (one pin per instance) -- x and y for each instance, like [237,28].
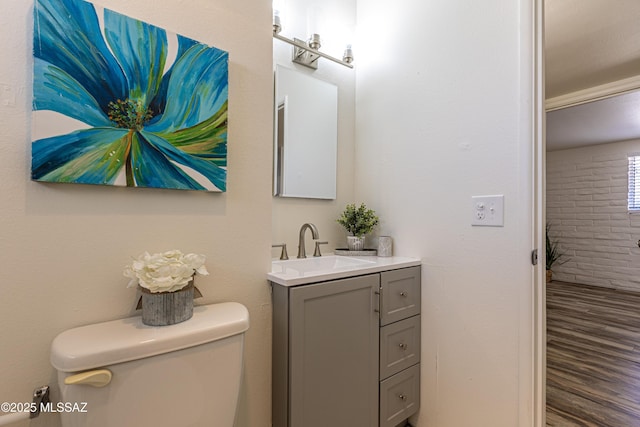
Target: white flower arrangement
[165,272]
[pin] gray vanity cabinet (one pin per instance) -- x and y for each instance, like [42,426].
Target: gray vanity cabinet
[336,360]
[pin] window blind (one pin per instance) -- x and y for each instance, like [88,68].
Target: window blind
[634,183]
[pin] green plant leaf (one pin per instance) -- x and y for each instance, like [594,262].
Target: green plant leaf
[358,221]
[553,250]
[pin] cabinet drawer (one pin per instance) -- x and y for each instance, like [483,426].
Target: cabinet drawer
[400,294]
[400,396]
[399,346]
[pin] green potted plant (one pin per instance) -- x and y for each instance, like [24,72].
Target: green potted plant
[358,221]
[553,253]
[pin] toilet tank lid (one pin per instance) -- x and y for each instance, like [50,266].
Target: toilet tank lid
[118,341]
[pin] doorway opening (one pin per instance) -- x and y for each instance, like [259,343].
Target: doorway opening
[592,72]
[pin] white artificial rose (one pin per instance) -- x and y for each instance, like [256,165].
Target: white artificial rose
[196,262]
[164,272]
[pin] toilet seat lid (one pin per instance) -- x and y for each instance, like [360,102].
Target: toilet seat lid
[118,341]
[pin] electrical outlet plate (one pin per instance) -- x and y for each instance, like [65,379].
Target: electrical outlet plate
[487,211]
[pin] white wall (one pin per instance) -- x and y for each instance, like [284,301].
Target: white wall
[334,20]
[587,208]
[444,112]
[63,247]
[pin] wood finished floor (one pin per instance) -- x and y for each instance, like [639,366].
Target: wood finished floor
[593,356]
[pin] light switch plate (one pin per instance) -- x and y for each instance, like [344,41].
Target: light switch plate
[487,211]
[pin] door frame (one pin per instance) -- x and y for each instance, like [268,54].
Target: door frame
[538,222]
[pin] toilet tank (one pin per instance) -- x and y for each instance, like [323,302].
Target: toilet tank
[181,375]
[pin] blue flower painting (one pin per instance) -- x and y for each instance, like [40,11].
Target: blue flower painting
[117,101]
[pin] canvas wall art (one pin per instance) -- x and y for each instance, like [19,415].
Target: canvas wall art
[117,101]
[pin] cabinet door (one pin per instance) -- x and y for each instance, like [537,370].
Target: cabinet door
[333,354]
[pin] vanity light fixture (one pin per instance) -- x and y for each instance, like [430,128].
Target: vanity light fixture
[308,53]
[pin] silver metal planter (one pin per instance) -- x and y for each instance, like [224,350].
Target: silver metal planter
[355,243]
[167,308]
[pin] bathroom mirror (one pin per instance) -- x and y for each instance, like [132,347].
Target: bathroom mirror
[306,135]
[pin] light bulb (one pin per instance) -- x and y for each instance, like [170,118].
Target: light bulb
[348,55]
[314,41]
[277,26]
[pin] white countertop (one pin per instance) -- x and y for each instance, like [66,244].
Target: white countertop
[295,272]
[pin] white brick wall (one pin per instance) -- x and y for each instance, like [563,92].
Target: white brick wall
[587,210]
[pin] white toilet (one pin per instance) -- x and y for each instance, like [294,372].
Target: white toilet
[123,373]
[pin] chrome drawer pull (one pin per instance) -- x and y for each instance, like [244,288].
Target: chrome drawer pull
[402,346]
[403,294]
[402,397]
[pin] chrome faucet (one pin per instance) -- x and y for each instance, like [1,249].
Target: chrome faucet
[302,253]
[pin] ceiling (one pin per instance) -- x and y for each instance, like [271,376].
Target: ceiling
[590,43]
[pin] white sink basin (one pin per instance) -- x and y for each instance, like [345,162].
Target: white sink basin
[317,264]
[315,269]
